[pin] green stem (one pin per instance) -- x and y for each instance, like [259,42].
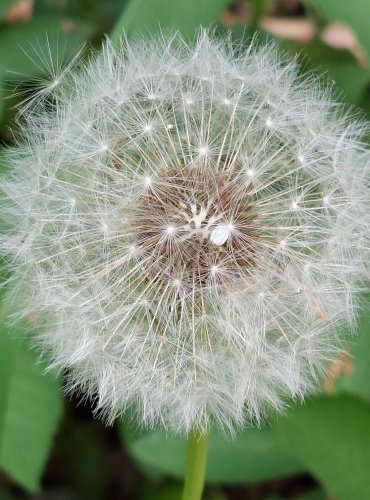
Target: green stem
[258,10]
[195,466]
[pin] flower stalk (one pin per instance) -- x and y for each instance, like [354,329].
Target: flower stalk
[195,466]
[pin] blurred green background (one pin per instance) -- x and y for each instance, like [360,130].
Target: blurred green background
[51,447]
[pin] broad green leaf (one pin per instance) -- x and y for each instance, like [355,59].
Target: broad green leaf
[30,410]
[33,48]
[101,13]
[253,456]
[365,105]
[355,13]
[331,436]
[355,371]
[4,7]
[341,67]
[2,108]
[149,17]
[333,65]
[353,87]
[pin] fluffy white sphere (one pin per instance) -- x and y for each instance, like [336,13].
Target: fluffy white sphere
[187,224]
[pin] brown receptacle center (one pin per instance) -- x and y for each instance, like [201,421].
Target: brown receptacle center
[195,228]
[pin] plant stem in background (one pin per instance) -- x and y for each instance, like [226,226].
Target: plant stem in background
[195,466]
[258,9]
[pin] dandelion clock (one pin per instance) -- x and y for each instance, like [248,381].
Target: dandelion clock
[187,225]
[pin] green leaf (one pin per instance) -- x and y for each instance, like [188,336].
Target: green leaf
[30,49]
[30,410]
[2,111]
[150,17]
[338,65]
[357,378]
[355,14]
[34,49]
[331,436]
[335,65]
[255,455]
[4,7]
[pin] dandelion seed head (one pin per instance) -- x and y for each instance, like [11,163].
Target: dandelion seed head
[189,222]
[269,122]
[148,181]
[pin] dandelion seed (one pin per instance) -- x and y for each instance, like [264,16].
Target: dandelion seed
[221,234]
[269,123]
[170,275]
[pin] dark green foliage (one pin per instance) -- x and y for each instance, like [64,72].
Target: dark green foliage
[254,455]
[30,410]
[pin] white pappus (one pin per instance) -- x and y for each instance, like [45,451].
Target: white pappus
[187,226]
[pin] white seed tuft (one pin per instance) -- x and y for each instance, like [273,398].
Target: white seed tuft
[189,224]
[221,234]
